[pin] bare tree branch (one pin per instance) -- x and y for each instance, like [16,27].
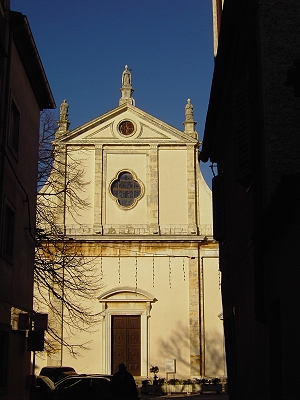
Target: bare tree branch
[65,279]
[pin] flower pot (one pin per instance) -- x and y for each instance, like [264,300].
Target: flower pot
[152,389]
[211,387]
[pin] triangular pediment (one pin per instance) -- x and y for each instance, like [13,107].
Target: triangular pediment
[107,128]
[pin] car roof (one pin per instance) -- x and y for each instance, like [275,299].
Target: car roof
[59,368]
[83,376]
[56,373]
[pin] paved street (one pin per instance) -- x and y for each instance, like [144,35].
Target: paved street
[198,396]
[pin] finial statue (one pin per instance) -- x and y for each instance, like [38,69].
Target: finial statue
[126,88]
[126,77]
[64,111]
[189,111]
[189,123]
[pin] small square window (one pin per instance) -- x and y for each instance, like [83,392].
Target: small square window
[14,126]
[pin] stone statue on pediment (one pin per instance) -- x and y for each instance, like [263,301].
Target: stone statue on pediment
[126,77]
[189,123]
[64,111]
[189,111]
[126,88]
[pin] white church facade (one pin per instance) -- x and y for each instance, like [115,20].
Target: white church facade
[148,225]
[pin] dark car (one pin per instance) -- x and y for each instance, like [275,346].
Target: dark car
[88,387]
[44,389]
[57,373]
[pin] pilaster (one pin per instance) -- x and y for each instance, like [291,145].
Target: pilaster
[191,190]
[60,185]
[152,199]
[98,189]
[194,316]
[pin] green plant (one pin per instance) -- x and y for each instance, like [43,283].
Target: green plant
[173,381]
[154,370]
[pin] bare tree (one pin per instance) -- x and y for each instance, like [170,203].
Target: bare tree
[48,127]
[65,276]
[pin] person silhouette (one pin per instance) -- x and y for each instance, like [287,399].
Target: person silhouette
[122,385]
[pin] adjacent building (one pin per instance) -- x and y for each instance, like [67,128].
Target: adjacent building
[147,221]
[217,7]
[24,91]
[252,140]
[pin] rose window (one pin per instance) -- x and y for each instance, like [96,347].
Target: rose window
[126,189]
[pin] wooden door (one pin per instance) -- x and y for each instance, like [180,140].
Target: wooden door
[126,343]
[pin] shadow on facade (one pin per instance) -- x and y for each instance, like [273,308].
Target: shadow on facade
[179,343]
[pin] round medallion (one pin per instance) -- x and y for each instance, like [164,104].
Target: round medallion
[126,128]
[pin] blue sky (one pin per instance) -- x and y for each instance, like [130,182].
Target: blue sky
[85,44]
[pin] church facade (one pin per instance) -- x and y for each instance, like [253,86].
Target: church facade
[147,224]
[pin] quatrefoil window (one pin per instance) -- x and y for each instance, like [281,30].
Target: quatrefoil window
[126,189]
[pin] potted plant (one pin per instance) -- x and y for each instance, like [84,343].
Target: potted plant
[175,385]
[154,370]
[144,389]
[156,387]
[188,385]
[213,385]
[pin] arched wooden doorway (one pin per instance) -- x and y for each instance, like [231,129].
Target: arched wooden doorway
[126,312]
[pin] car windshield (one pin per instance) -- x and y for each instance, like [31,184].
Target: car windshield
[99,382]
[66,382]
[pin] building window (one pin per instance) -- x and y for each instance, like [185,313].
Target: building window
[8,233]
[126,128]
[14,126]
[126,189]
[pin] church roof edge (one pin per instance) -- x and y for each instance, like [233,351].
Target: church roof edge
[115,112]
